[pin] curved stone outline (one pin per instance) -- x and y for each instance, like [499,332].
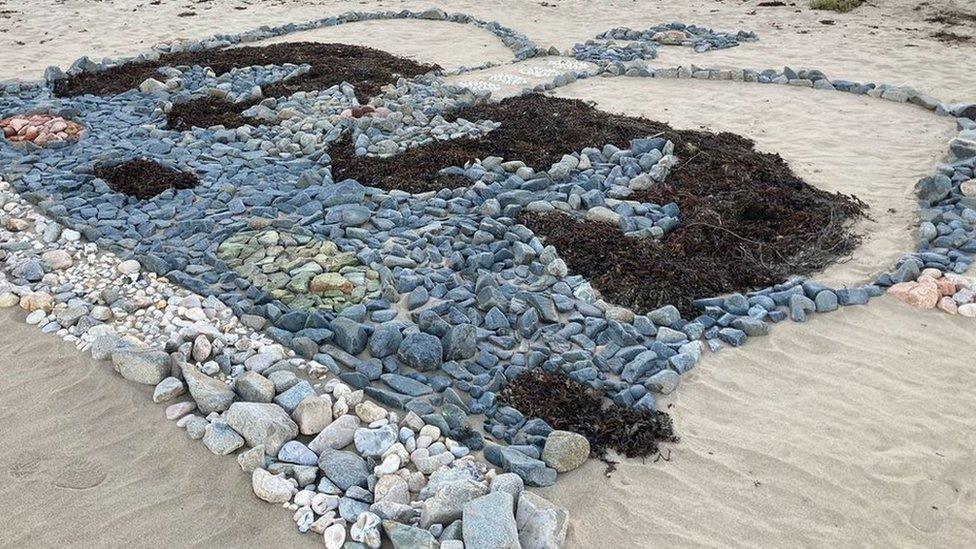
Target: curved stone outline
[642,44]
[519,43]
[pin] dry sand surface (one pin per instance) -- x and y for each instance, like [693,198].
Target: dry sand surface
[855,429]
[448,44]
[87,460]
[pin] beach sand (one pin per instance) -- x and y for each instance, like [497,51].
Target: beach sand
[87,460]
[854,429]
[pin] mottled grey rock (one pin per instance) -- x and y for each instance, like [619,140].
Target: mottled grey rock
[541,524]
[385,340]
[665,316]
[254,387]
[262,424]
[211,395]
[290,399]
[489,523]
[663,382]
[221,439]
[403,536]
[349,335]
[337,435]
[375,442]
[533,471]
[508,482]
[141,364]
[344,469]
[313,414]
[297,453]
[565,450]
[168,389]
[447,504]
[461,342]
[251,459]
[422,352]
[196,427]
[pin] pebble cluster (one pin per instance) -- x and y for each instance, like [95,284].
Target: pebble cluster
[642,44]
[40,129]
[301,272]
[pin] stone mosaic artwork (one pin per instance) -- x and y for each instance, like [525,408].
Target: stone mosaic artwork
[349,338]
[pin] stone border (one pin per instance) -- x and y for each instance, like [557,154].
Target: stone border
[397,471]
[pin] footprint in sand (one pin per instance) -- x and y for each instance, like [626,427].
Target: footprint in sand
[932,500]
[27,466]
[23,469]
[79,474]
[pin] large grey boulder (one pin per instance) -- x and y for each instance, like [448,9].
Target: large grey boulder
[260,423]
[489,523]
[447,504]
[541,524]
[141,364]
[211,395]
[404,536]
[254,387]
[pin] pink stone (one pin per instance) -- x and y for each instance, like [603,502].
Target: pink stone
[968,310]
[948,305]
[41,129]
[922,295]
[934,273]
[900,290]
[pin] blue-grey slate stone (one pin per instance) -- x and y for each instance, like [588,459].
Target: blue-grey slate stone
[421,351]
[349,335]
[344,469]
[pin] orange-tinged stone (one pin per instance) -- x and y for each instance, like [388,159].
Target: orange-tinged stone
[946,286]
[922,295]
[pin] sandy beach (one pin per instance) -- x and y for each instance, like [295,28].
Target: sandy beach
[855,429]
[89,461]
